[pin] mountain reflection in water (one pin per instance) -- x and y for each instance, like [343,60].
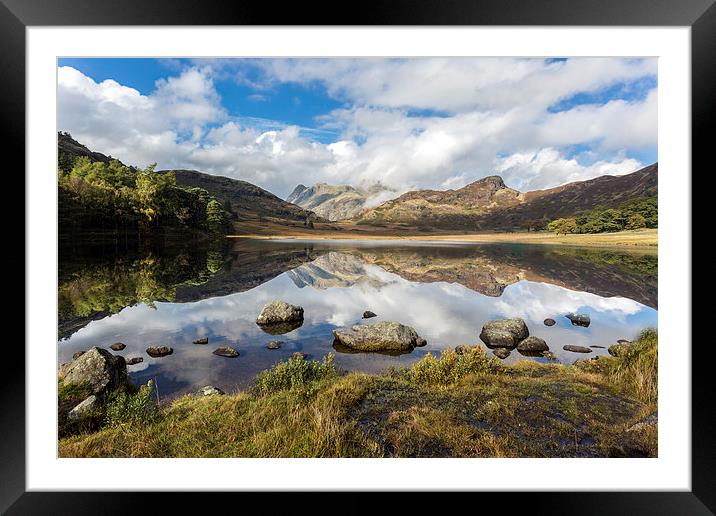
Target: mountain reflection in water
[177,294]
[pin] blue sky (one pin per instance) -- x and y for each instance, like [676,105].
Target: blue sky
[406,123]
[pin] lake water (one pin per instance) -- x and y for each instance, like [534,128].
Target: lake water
[446,291]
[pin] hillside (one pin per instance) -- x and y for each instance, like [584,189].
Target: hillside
[248,201]
[448,208]
[333,202]
[489,204]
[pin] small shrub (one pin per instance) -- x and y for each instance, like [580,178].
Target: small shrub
[125,407]
[451,367]
[636,370]
[295,372]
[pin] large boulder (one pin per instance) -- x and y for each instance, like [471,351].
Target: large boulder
[382,336]
[98,369]
[534,344]
[279,312]
[504,333]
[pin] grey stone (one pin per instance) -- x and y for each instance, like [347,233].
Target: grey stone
[533,343]
[382,336]
[83,408]
[504,333]
[226,351]
[97,368]
[576,349]
[279,312]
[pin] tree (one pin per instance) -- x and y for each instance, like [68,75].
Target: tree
[563,226]
[635,221]
[216,219]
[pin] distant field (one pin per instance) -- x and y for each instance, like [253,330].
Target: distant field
[641,238]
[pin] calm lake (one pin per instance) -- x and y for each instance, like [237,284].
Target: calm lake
[446,291]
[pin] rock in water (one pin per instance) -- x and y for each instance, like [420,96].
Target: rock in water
[277,318]
[299,355]
[83,408]
[504,333]
[117,346]
[209,390]
[576,349]
[579,320]
[226,351]
[135,360]
[420,342]
[368,314]
[97,368]
[382,336]
[533,343]
[279,312]
[159,351]
[549,322]
[203,340]
[274,344]
[77,355]
[501,353]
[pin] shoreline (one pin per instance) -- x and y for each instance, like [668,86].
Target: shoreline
[637,240]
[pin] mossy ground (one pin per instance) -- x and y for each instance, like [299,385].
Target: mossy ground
[465,405]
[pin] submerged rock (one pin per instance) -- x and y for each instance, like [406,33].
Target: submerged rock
[382,336]
[279,312]
[501,353]
[226,351]
[159,351]
[504,333]
[299,355]
[576,349]
[134,360]
[549,322]
[99,369]
[368,314]
[274,344]
[83,408]
[209,390]
[597,347]
[203,340]
[118,346]
[579,320]
[533,343]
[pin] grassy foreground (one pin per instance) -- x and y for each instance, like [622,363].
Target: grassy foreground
[457,405]
[637,239]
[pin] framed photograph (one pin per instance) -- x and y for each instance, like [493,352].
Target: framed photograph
[434,249]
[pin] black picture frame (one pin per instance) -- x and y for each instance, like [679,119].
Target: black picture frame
[700,15]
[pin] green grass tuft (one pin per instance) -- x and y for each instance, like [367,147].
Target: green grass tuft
[295,372]
[450,367]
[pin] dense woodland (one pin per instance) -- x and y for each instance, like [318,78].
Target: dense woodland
[95,196]
[636,214]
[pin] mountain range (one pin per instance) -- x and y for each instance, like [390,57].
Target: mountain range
[489,204]
[334,202]
[485,204]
